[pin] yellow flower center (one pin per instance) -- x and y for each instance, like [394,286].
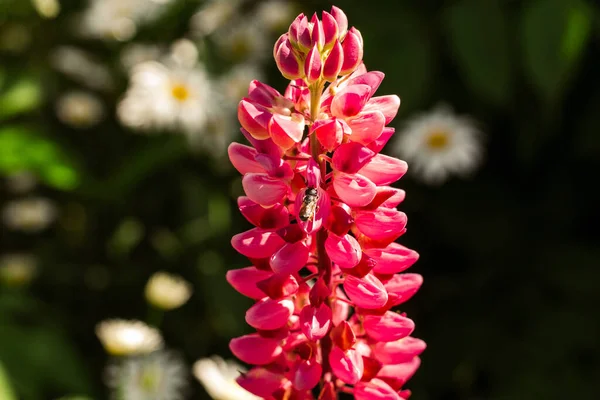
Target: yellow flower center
[438,140]
[180,92]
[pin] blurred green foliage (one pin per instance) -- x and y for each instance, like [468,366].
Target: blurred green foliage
[510,258]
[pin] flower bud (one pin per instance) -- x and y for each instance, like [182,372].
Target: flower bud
[333,63]
[317,35]
[330,30]
[287,62]
[352,47]
[312,65]
[342,21]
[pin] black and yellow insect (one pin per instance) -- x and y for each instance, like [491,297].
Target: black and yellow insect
[309,204]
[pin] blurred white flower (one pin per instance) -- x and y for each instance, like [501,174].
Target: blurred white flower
[167,291]
[245,40]
[166,97]
[438,144]
[234,84]
[119,19]
[79,109]
[218,378]
[128,337]
[31,214]
[212,15]
[137,53]
[275,14]
[21,182]
[47,8]
[17,269]
[157,376]
[81,67]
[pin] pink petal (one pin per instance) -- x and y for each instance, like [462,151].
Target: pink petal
[254,118]
[378,144]
[339,220]
[244,281]
[367,126]
[313,174]
[366,292]
[290,258]
[343,250]
[329,132]
[255,349]
[286,131]
[315,321]
[400,351]
[351,157]
[372,78]
[257,243]
[404,286]
[243,158]
[354,189]
[383,170]
[340,308]
[272,218]
[395,199]
[388,105]
[386,196]
[261,382]
[330,29]
[393,259]
[382,224]
[333,63]
[341,19]
[287,62]
[375,389]
[274,166]
[268,314]
[352,47]
[312,63]
[347,366]
[263,146]
[398,374]
[387,327]
[307,375]
[264,190]
[263,94]
[349,101]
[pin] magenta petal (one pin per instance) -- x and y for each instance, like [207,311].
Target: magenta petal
[354,189]
[272,218]
[400,351]
[378,144]
[315,321]
[257,243]
[269,314]
[287,62]
[347,366]
[264,190]
[262,93]
[244,281]
[392,259]
[254,118]
[366,292]
[286,131]
[351,157]
[388,327]
[261,382]
[383,170]
[372,78]
[263,146]
[255,349]
[343,250]
[352,47]
[313,174]
[388,105]
[381,224]
[367,126]
[333,63]
[313,64]
[341,19]
[274,166]
[404,286]
[243,158]
[375,389]
[395,199]
[307,375]
[290,258]
[349,101]
[398,374]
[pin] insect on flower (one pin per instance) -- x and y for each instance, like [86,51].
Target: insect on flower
[309,204]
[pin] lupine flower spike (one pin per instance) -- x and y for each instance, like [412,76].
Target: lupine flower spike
[325,270]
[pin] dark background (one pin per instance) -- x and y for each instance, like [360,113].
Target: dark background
[511,257]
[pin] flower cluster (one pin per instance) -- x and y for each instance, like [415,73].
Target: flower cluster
[325,268]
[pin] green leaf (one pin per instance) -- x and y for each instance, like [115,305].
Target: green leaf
[23,96]
[478,35]
[6,391]
[23,149]
[555,32]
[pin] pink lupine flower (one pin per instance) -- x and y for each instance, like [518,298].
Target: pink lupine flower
[325,270]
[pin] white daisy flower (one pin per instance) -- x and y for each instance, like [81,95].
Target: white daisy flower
[21,182]
[160,97]
[218,378]
[119,19]
[81,67]
[79,109]
[157,376]
[212,16]
[167,291]
[17,269]
[233,85]
[31,215]
[439,144]
[125,338]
